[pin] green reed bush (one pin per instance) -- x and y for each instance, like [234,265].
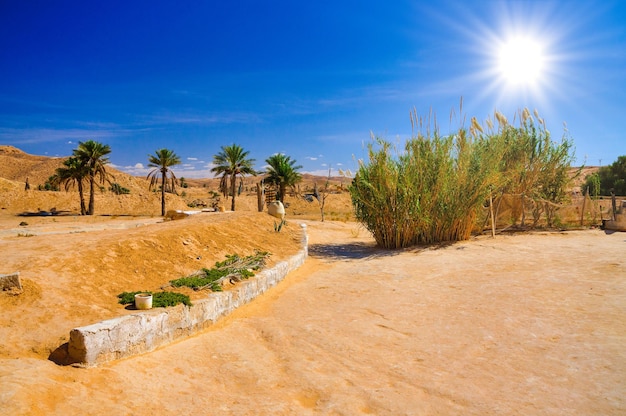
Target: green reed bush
[435,189]
[534,168]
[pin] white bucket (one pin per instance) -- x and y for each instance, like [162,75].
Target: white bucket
[143,301]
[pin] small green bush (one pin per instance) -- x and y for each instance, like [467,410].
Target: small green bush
[206,279]
[118,189]
[234,265]
[159,299]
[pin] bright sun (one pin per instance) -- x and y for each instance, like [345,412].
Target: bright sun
[521,61]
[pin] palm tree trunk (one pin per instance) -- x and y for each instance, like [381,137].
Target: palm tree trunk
[91,195]
[233,183]
[283,189]
[81,194]
[162,194]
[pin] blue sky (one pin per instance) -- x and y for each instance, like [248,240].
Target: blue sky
[310,79]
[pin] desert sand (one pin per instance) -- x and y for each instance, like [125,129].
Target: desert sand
[521,324]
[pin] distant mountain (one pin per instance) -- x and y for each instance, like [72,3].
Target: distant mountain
[17,165]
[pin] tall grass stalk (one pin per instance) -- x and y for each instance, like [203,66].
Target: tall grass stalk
[433,191]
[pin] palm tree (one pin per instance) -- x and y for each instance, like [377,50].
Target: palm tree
[73,173]
[91,155]
[232,162]
[161,162]
[282,173]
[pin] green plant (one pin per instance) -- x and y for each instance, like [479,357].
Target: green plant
[51,184]
[279,226]
[282,171]
[432,191]
[161,161]
[533,168]
[609,178]
[117,189]
[25,235]
[91,156]
[232,161]
[159,299]
[23,224]
[234,268]
[73,173]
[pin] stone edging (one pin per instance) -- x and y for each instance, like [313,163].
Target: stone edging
[145,331]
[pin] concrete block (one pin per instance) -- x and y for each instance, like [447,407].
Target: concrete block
[10,282]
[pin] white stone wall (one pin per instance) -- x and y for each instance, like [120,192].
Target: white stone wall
[146,330]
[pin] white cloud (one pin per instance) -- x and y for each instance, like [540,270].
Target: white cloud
[199,118]
[69,136]
[192,158]
[319,172]
[138,166]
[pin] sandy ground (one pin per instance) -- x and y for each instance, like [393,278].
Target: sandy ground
[529,324]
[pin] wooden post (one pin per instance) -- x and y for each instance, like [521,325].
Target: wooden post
[493,220]
[523,213]
[613,204]
[259,197]
[582,212]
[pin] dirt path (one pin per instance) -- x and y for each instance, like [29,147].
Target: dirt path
[525,324]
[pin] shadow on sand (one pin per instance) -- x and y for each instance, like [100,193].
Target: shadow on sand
[360,251]
[61,356]
[353,251]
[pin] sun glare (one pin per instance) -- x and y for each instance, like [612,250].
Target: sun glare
[521,61]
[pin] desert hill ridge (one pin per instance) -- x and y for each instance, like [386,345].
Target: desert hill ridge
[16,166]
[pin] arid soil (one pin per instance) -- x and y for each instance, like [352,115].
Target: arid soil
[521,324]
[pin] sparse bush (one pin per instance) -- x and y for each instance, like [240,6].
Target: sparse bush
[234,268]
[279,226]
[117,189]
[51,184]
[612,177]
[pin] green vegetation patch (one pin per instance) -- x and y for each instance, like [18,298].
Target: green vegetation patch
[235,268]
[159,299]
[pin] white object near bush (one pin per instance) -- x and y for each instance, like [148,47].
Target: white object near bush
[143,301]
[276,209]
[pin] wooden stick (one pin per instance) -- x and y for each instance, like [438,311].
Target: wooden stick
[493,220]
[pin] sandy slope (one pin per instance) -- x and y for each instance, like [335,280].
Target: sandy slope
[523,324]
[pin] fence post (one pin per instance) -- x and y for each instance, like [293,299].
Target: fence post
[614,211]
[259,197]
[582,212]
[493,220]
